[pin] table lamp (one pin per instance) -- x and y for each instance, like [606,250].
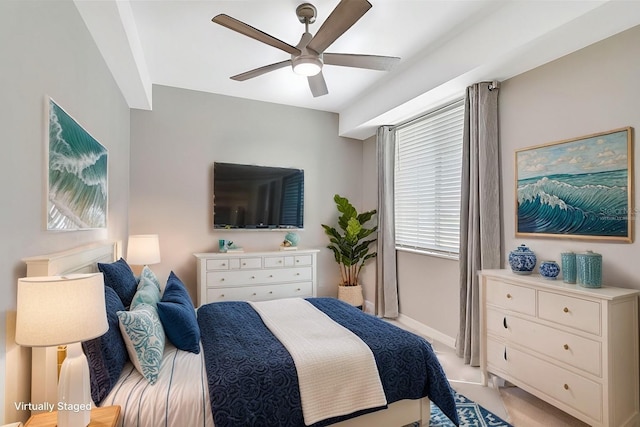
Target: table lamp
[64,310]
[143,249]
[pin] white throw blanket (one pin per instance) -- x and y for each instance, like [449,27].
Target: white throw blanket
[337,372]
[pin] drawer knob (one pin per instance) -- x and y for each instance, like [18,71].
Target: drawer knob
[224,264]
[244,263]
[508,296]
[222,279]
[504,323]
[222,296]
[566,386]
[298,289]
[279,261]
[566,346]
[253,277]
[297,274]
[271,275]
[566,309]
[297,260]
[270,292]
[254,294]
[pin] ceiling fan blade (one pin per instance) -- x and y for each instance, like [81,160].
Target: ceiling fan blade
[371,62]
[317,85]
[254,33]
[346,13]
[260,71]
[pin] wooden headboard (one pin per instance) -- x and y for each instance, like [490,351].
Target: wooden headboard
[41,364]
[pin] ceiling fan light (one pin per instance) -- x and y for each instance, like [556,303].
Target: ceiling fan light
[307,65]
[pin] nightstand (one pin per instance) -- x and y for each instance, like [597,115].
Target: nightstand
[106,416]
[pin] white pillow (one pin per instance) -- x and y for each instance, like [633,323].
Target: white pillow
[144,337]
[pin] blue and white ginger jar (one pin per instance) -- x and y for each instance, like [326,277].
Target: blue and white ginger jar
[522,260]
[549,269]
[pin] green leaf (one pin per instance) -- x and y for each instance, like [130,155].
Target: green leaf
[351,244]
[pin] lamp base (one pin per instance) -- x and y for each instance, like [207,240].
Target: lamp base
[74,389]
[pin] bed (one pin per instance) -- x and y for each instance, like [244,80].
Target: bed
[207,385]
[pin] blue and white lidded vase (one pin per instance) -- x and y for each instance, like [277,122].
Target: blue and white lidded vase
[522,260]
[549,269]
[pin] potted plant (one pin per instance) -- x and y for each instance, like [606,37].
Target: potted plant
[351,246]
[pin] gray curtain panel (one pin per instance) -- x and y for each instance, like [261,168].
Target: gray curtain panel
[387,282]
[479,210]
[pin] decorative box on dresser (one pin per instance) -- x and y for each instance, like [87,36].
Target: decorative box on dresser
[574,347]
[256,276]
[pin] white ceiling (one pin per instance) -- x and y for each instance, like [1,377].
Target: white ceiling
[445,45]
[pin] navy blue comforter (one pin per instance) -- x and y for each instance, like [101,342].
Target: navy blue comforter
[252,378]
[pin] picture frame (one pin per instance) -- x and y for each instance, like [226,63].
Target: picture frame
[580,188]
[76,175]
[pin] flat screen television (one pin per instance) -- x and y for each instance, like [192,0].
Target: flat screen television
[257,197]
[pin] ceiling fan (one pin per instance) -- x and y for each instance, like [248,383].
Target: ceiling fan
[309,56]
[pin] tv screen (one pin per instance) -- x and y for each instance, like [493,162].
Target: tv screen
[250,196]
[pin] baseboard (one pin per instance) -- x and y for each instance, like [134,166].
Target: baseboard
[427,331]
[369,307]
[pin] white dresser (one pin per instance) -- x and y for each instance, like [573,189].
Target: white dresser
[256,276]
[574,347]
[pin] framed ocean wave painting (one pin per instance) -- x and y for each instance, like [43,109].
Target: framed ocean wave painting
[76,175]
[578,188]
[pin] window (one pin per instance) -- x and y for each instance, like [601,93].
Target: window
[428,166]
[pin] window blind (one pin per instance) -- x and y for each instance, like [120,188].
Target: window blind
[428,166]
[292,209]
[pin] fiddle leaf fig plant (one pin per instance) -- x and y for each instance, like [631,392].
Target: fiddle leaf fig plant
[351,243]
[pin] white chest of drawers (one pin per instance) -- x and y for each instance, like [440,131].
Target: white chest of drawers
[256,276]
[574,347]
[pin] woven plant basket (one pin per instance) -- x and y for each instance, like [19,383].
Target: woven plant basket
[351,295]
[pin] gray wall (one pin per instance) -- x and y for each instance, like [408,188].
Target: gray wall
[172,155]
[592,90]
[46,50]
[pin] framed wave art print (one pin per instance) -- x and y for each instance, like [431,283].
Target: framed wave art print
[76,175]
[579,188]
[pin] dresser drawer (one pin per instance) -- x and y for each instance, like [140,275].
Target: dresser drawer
[573,390]
[574,312]
[278,261]
[224,279]
[576,351]
[300,260]
[250,263]
[217,264]
[260,293]
[511,297]
[291,274]
[217,279]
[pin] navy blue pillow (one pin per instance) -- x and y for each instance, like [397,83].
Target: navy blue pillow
[107,354]
[178,316]
[118,275]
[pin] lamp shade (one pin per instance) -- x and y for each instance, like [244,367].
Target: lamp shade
[58,310]
[143,249]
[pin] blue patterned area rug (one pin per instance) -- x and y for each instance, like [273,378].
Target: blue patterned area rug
[470,414]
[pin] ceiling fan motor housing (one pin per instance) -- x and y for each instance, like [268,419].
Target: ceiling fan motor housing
[306,13]
[309,62]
